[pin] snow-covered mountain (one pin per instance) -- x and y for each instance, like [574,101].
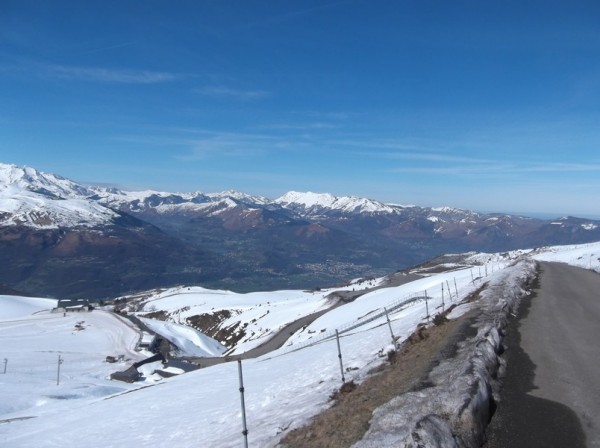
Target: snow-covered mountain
[34,199]
[168,203]
[57,239]
[38,182]
[316,204]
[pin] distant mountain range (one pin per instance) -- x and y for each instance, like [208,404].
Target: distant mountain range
[64,239]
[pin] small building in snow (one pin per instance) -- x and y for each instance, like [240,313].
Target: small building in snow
[131,375]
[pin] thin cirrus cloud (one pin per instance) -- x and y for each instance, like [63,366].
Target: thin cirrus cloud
[202,145]
[499,169]
[227,92]
[238,145]
[562,167]
[457,170]
[123,76]
[424,156]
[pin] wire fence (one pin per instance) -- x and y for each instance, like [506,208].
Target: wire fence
[379,313]
[395,306]
[50,363]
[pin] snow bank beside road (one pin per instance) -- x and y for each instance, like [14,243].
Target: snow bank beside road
[457,408]
[586,256]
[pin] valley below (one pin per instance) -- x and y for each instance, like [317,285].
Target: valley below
[357,323]
[60,238]
[401,381]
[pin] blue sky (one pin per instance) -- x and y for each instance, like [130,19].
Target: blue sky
[487,105]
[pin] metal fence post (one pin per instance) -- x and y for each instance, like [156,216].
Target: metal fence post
[443,304]
[426,306]
[5,363]
[390,325]
[337,337]
[455,288]
[245,428]
[60,361]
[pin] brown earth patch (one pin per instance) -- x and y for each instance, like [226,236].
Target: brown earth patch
[347,420]
[158,315]
[210,324]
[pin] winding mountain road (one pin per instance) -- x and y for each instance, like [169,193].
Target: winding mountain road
[551,393]
[285,332]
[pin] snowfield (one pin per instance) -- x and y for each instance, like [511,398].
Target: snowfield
[282,389]
[31,344]
[20,307]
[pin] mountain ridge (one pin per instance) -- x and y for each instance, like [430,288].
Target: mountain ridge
[117,241]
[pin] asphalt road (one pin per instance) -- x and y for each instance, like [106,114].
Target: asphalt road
[551,393]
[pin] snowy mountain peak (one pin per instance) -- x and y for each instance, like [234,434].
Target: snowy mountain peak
[450,210]
[239,196]
[308,199]
[39,182]
[314,203]
[32,198]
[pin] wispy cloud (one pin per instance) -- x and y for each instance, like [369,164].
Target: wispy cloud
[96,74]
[202,145]
[297,126]
[562,167]
[496,168]
[227,92]
[456,170]
[424,156]
[228,145]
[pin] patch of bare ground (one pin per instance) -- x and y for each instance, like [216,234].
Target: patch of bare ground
[347,420]
[158,315]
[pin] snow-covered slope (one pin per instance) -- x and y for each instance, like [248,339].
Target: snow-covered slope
[190,342]
[282,389]
[12,307]
[586,256]
[240,321]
